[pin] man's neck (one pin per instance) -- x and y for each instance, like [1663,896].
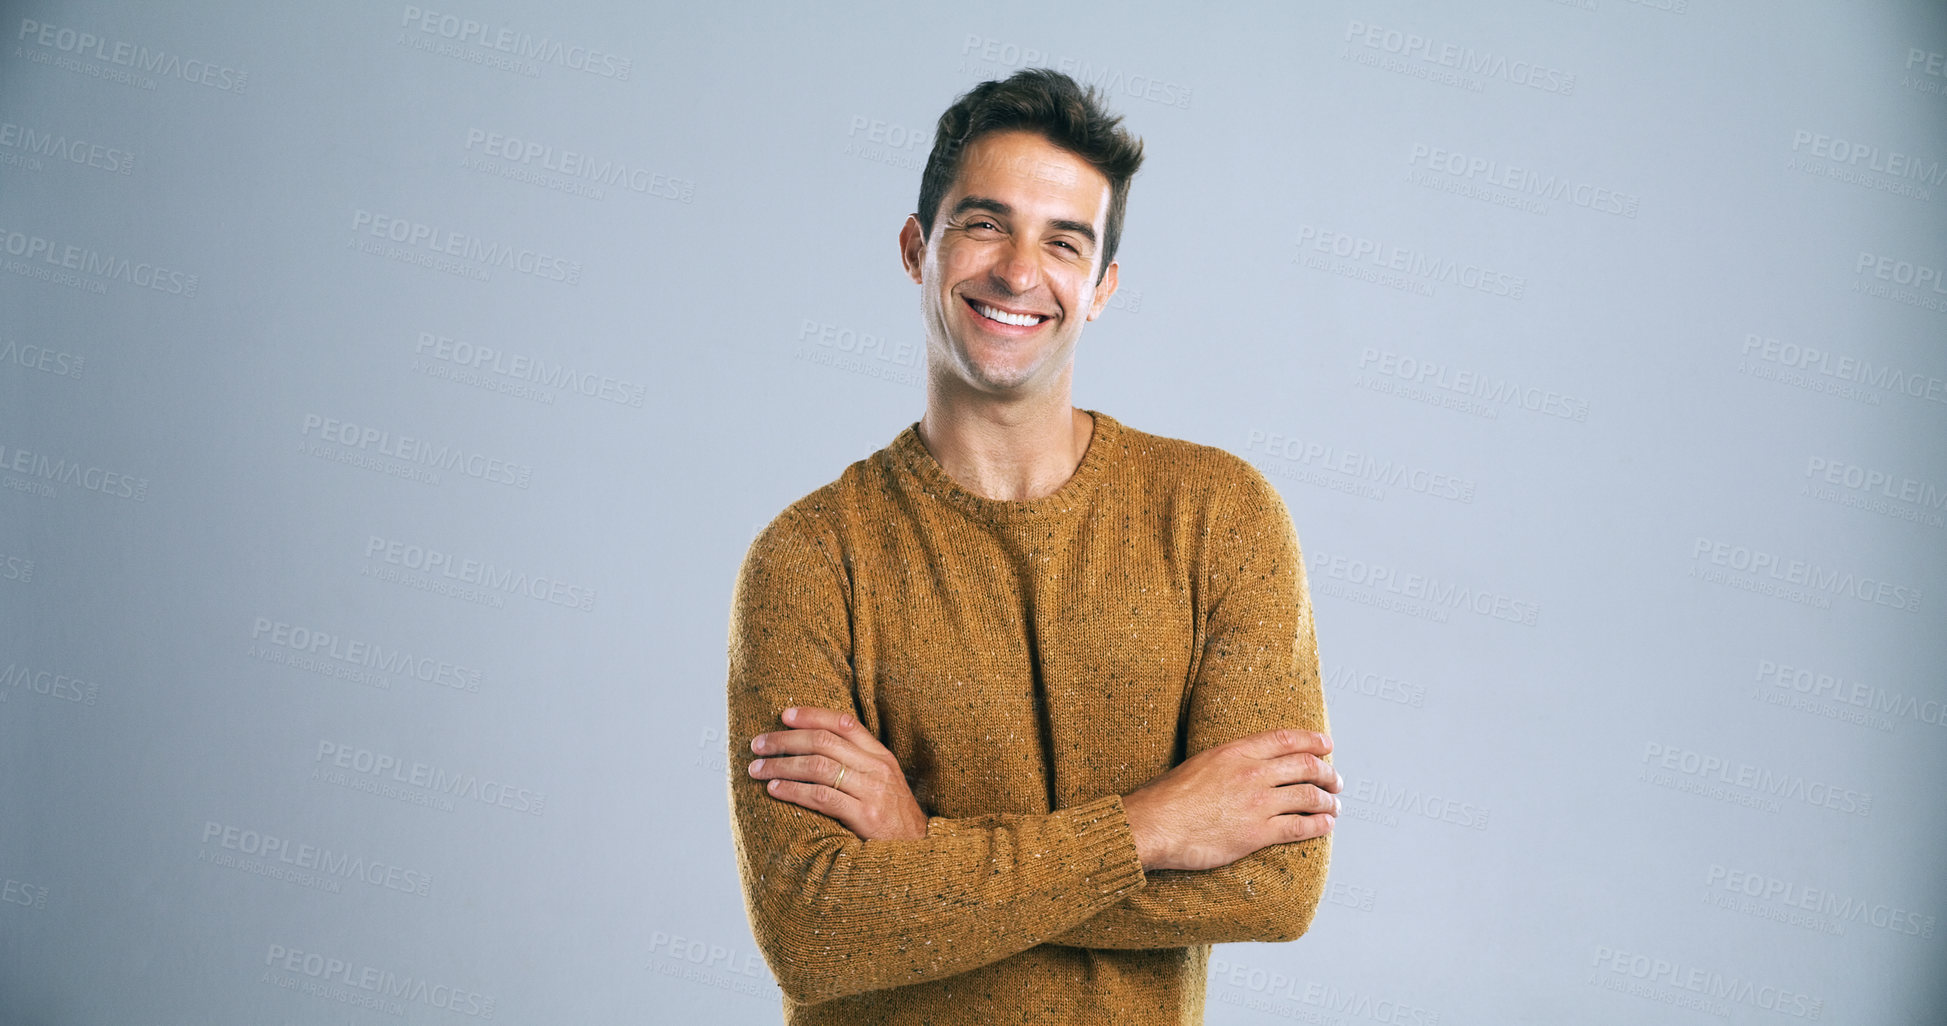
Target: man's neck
[1015,451]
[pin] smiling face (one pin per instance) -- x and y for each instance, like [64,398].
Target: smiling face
[1008,277]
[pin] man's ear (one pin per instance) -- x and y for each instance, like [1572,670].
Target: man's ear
[912,247]
[1103,292]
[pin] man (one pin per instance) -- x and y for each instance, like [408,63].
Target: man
[1030,698]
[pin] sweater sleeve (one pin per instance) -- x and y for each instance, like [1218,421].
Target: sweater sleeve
[1259,671]
[835,915]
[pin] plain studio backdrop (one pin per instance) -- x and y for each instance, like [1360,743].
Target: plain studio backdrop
[388,394]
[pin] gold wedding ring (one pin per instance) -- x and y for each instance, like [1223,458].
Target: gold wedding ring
[841,775]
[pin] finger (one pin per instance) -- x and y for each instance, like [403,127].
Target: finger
[816,797]
[1302,768]
[838,721]
[806,742]
[1304,799]
[812,769]
[1302,828]
[1270,744]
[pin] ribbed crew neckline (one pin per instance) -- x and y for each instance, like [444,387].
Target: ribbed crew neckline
[1103,447]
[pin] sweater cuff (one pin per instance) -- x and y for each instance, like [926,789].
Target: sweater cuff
[1108,861]
[938,826]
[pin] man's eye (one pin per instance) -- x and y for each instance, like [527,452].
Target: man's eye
[1063,242]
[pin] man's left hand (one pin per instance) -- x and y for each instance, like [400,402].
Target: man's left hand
[871,798]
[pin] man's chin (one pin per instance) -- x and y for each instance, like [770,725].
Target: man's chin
[990,376]
[1001,365]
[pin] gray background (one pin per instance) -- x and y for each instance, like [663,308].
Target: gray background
[1631,345]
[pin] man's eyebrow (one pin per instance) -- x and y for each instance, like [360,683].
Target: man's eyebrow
[995,206]
[981,203]
[1084,230]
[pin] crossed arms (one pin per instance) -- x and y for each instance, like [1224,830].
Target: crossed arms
[837,914]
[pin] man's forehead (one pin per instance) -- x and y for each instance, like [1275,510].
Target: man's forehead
[1043,161]
[1023,158]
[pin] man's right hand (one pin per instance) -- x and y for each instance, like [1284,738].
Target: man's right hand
[1224,803]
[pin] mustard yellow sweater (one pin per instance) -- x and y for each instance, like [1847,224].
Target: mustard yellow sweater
[1029,662]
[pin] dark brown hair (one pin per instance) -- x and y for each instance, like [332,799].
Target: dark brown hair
[1052,104]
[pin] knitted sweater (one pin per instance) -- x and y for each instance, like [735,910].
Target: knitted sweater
[1028,662]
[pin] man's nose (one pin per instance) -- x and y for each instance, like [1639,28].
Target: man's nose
[1019,267]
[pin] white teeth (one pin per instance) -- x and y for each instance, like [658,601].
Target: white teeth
[1024,320]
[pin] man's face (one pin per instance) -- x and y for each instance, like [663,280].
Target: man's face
[1008,277]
